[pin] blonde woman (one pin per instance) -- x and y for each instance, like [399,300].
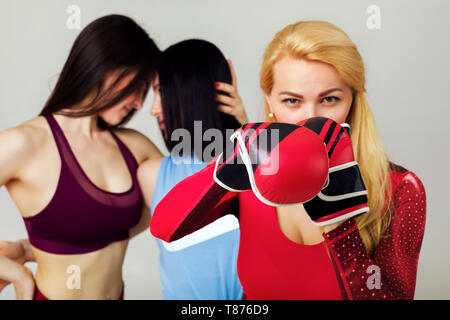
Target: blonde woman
[312,69]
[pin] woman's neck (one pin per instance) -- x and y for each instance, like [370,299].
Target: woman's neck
[86,126]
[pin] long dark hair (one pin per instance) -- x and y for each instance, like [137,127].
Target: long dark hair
[187,73]
[110,43]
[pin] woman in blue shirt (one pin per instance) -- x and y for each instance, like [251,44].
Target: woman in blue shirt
[195,93]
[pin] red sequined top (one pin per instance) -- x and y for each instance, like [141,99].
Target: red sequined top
[271,266]
[396,256]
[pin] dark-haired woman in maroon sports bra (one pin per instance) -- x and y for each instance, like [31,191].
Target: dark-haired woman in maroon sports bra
[72,171]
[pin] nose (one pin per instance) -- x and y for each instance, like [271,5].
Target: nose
[134,102]
[155,110]
[137,105]
[310,110]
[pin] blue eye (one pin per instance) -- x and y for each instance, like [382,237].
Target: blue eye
[331,99]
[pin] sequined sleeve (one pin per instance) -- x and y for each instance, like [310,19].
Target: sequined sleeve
[390,272]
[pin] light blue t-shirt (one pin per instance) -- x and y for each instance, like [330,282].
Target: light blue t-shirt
[202,265]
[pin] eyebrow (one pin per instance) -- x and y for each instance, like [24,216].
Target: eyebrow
[320,95]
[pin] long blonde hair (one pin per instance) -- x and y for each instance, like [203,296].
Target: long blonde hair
[324,42]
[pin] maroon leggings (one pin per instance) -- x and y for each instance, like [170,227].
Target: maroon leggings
[39,296]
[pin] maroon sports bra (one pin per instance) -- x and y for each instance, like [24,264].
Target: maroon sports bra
[81,217]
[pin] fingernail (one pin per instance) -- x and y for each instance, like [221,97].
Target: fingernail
[217,84]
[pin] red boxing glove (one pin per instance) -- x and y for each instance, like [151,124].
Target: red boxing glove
[230,171]
[285,163]
[344,194]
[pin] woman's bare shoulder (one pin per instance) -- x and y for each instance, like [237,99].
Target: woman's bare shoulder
[21,144]
[29,135]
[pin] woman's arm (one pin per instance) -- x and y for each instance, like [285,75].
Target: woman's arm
[147,175]
[13,255]
[19,275]
[18,145]
[390,272]
[192,204]
[19,251]
[148,157]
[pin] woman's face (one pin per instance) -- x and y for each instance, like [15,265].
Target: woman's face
[304,89]
[115,114]
[156,109]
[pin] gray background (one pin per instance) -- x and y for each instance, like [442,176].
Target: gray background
[407,63]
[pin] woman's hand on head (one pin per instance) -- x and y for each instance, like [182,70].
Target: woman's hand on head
[231,104]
